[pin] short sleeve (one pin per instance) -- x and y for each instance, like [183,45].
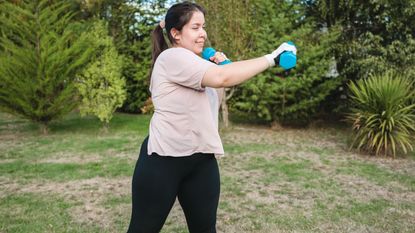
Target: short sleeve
[184,67]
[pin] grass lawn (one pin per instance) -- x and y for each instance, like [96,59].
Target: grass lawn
[78,177]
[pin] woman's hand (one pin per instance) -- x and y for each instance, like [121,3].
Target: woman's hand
[282,48]
[218,57]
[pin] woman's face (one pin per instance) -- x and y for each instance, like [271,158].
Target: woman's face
[193,34]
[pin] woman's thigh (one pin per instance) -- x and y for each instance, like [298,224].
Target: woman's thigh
[154,190]
[199,196]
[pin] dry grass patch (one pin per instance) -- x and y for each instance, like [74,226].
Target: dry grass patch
[66,157]
[88,196]
[364,191]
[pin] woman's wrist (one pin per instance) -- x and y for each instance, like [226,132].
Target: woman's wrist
[270,59]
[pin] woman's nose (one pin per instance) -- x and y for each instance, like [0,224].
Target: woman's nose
[203,34]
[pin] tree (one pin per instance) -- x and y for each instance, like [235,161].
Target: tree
[130,23]
[41,53]
[376,35]
[101,85]
[297,98]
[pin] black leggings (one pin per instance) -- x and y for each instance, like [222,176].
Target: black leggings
[158,180]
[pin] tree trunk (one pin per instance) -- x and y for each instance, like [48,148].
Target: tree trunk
[224,105]
[105,127]
[225,113]
[44,128]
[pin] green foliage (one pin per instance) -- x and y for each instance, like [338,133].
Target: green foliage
[234,15]
[369,54]
[296,98]
[391,19]
[40,54]
[137,49]
[376,36]
[130,24]
[383,117]
[101,86]
[136,69]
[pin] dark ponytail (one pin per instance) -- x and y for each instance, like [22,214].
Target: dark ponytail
[158,44]
[177,16]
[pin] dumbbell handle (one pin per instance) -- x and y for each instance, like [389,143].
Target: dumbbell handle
[210,52]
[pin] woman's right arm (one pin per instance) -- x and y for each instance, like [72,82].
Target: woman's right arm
[234,73]
[237,72]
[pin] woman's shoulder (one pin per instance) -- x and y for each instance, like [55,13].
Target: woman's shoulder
[176,51]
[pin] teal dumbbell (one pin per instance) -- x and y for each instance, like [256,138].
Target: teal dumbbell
[287,59]
[210,52]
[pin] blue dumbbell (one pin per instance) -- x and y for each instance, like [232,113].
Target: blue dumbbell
[210,52]
[287,60]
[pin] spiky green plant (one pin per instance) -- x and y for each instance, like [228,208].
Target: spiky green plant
[41,51]
[382,115]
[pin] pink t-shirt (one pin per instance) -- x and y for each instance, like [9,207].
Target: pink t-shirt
[183,122]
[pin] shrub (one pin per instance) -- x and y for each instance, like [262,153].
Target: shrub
[382,115]
[101,85]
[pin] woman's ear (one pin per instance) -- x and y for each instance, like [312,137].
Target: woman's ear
[175,34]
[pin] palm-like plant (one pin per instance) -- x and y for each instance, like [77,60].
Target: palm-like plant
[382,115]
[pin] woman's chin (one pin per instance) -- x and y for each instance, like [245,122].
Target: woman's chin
[198,50]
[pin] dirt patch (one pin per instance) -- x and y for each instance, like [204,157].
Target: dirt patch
[176,216]
[9,140]
[11,137]
[89,213]
[364,191]
[329,141]
[7,160]
[10,126]
[401,165]
[242,135]
[284,196]
[7,186]
[346,226]
[88,189]
[130,156]
[65,157]
[88,195]
[247,226]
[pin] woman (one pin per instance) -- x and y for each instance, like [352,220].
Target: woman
[178,157]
